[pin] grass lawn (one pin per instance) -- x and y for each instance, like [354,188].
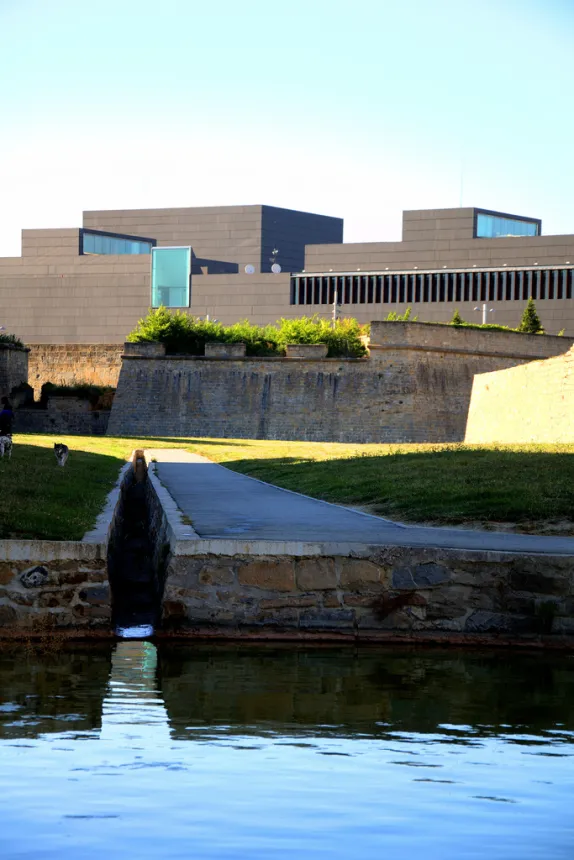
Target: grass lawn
[526,488]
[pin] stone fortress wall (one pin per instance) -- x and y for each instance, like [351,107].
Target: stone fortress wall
[530,403]
[415,387]
[13,367]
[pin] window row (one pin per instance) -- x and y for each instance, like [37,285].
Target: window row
[512,285]
[497,227]
[106,243]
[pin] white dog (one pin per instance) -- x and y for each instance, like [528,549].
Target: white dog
[6,446]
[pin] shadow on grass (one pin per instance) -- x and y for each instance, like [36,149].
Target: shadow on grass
[181,441]
[41,500]
[450,486]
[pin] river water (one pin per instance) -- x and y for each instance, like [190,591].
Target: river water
[188,751]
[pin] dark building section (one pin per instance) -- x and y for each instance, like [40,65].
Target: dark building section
[285,233]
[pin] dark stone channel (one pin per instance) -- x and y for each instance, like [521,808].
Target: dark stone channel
[136,598]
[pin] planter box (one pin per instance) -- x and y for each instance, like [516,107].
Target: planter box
[147,350]
[225,350]
[306,350]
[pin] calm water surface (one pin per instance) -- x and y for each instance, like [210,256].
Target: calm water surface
[222,752]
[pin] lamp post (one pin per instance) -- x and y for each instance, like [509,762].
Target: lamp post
[336,309]
[485,310]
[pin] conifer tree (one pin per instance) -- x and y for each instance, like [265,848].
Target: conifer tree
[456,318]
[530,322]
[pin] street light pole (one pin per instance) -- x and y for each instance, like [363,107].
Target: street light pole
[485,310]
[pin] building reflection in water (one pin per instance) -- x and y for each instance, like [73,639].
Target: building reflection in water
[133,707]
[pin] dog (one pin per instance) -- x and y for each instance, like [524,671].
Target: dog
[6,446]
[61,453]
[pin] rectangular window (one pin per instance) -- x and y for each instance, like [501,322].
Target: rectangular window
[490,226]
[94,242]
[171,277]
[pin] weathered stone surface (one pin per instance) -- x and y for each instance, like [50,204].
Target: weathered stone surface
[420,576]
[173,609]
[539,582]
[288,602]
[34,577]
[8,615]
[331,600]
[95,594]
[358,600]
[316,574]
[6,573]
[217,574]
[327,618]
[358,574]
[269,575]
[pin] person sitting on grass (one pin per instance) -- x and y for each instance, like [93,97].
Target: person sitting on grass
[6,418]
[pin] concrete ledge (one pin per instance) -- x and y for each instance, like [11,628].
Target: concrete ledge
[51,550]
[306,350]
[102,529]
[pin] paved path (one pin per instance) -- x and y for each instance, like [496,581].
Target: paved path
[225,504]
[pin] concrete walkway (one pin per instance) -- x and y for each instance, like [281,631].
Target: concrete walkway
[224,504]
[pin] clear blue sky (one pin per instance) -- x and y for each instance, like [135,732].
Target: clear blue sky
[354,108]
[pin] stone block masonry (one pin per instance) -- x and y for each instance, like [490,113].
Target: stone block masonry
[415,387]
[47,585]
[13,367]
[531,403]
[74,364]
[382,590]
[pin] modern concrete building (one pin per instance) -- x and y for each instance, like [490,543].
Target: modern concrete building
[91,284]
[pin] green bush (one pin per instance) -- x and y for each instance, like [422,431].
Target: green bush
[100,396]
[183,334]
[10,339]
[456,318]
[395,316]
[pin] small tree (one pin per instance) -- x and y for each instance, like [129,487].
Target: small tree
[395,316]
[456,318]
[530,322]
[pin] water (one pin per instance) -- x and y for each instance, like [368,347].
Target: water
[228,752]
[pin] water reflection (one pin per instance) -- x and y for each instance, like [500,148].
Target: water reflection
[252,752]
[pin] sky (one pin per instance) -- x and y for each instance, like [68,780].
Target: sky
[353,108]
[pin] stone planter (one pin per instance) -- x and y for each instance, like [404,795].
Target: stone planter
[306,350]
[151,349]
[225,350]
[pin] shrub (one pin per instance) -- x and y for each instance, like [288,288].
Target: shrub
[183,334]
[530,322]
[395,316]
[10,339]
[456,318]
[100,396]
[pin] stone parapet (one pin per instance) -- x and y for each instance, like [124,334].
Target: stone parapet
[306,350]
[224,350]
[144,350]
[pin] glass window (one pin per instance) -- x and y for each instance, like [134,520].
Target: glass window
[171,277]
[497,227]
[107,243]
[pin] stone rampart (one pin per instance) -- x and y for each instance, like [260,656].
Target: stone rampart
[74,364]
[415,387]
[66,421]
[13,367]
[530,403]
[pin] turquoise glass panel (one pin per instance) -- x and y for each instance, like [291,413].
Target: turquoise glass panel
[99,243]
[497,227]
[171,277]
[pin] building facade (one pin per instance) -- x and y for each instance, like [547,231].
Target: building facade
[90,285]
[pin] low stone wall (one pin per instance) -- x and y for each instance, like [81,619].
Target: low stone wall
[13,367]
[74,364]
[47,585]
[67,422]
[530,403]
[382,590]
